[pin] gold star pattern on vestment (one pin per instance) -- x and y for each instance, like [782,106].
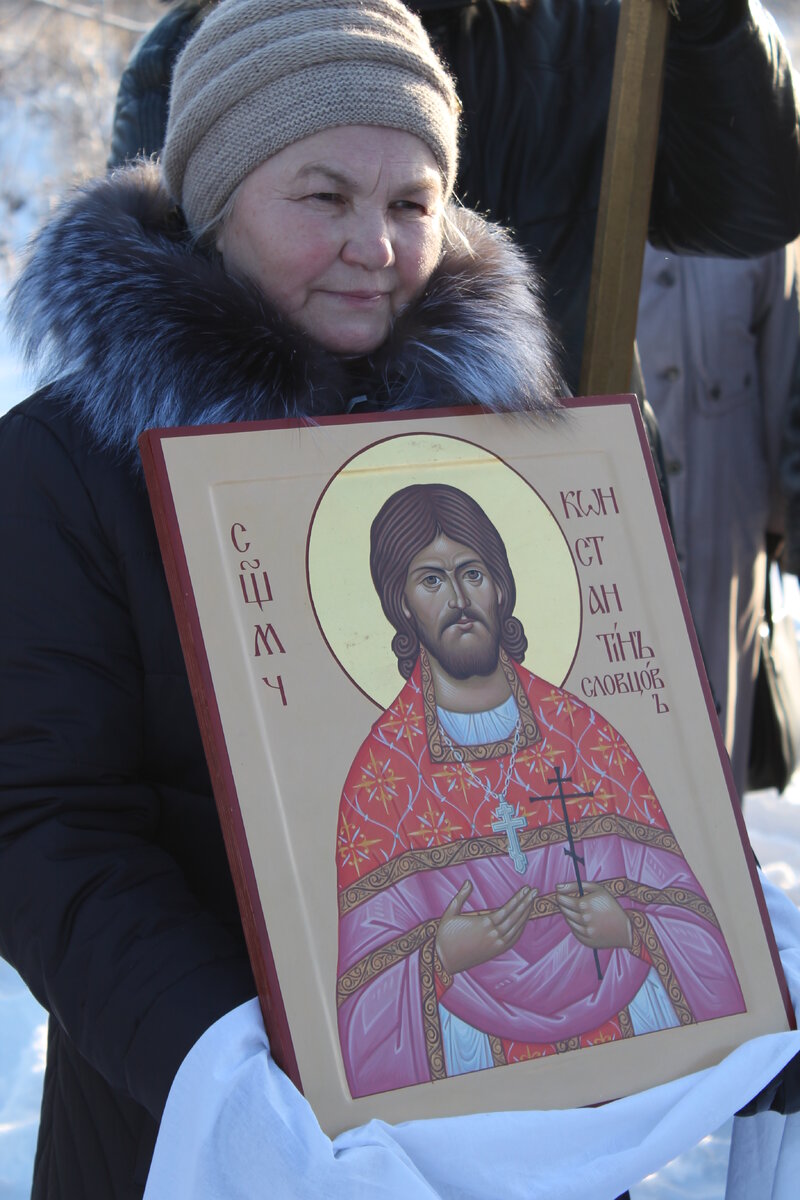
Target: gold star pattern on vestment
[436,827]
[563,703]
[542,759]
[380,781]
[456,778]
[404,722]
[615,748]
[353,846]
[597,798]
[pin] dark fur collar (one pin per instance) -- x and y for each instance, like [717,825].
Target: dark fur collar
[151,332]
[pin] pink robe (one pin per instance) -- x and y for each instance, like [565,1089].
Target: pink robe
[415,824]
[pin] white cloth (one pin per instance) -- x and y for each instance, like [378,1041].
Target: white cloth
[235,1128]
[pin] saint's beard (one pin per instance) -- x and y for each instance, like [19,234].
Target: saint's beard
[460,661]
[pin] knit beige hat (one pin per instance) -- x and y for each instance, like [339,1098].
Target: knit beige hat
[261,74]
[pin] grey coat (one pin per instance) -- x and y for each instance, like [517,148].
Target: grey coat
[717,340]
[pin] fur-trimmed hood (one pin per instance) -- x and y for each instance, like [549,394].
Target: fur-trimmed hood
[150,332]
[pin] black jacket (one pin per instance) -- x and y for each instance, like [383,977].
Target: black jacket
[116,904]
[535,82]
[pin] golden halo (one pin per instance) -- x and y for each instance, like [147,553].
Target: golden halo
[342,592]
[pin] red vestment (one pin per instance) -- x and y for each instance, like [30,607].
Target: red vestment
[415,823]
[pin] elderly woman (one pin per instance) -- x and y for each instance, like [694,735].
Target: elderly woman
[298,252]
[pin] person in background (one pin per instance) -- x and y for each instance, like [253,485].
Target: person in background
[717,339]
[534,80]
[790,478]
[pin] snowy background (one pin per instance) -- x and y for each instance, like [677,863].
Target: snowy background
[59,67]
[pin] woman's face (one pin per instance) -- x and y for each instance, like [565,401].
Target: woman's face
[340,231]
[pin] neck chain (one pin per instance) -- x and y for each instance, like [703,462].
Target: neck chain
[505,819]
[461,758]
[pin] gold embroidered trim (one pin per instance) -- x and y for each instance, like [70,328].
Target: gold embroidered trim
[626,1024]
[410,862]
[379,960]
[665,973]
[443,975]
[498,1053]
[442,751]
[678,897]
[601,825]
[434,1044]
[468,850]
[567,1044]
[546,904]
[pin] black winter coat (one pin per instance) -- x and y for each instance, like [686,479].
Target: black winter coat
[535,82]
[116,904]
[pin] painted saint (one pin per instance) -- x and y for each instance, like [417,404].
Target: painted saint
[508,884]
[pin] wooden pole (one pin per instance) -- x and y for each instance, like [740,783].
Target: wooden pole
[625,189]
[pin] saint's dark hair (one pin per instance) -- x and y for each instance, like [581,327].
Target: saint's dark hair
[410,520]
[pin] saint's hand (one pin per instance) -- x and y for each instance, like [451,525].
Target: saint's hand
[596,918]
[466,939]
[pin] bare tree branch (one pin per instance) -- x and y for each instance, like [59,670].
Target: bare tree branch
[91,14]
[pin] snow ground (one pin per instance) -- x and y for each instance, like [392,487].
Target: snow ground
[32,165]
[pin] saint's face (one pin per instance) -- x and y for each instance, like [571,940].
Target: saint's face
[452,600]
[340,231]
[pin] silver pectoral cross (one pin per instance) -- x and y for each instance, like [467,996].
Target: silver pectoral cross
[508,824]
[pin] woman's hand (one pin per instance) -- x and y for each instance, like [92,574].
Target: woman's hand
[466,939]
[596,918]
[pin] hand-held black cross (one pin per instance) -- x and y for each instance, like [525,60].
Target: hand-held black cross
[571,852]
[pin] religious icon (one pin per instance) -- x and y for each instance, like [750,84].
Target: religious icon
[536,848]
[509,887]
